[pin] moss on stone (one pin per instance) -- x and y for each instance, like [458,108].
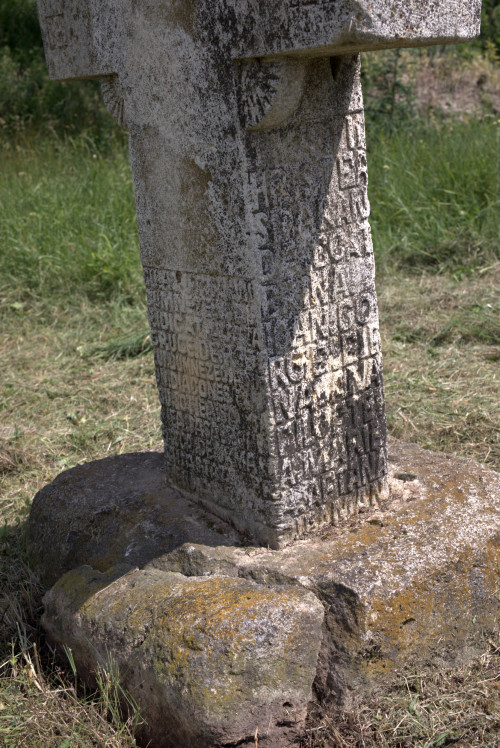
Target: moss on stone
[222,644]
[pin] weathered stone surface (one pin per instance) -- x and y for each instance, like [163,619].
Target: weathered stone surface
[339,27]
[212,661]
[410,583]
[413,585]
[78,40]
[248,153]
[111,511]
[249,161]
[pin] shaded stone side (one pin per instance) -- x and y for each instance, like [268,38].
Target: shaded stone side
[211,392]
[307,194]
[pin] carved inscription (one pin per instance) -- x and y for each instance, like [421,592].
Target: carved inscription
[206,345]
[249,162]
[271,385]
[320,326]
[304,330]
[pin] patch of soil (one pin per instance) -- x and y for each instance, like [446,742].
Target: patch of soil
[447,85]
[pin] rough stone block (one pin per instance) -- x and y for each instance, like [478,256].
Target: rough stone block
[212,661]
[77,36]
[409,584]
[112,511]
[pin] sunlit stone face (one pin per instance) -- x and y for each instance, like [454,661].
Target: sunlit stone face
[251,191]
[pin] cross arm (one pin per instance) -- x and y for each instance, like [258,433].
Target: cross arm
[82,39]
[69,41]
[334,27]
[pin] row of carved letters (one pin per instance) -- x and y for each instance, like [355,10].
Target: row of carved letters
[205,337]
[305,420]
[362,471]
[290,378]
[282,226]
[320,136]
[323,282]
[311,409]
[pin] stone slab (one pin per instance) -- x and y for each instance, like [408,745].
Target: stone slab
[413,584]
[115,510]
[409,584]
[212,661]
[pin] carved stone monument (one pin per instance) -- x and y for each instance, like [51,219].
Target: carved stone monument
[249,161]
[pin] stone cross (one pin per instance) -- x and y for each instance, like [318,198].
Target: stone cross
[248,155]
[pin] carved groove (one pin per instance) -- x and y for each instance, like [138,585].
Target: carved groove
[269,92]
[113,98]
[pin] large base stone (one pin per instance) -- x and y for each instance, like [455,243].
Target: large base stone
[217,639]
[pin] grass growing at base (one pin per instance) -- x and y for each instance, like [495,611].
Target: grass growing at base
[78,384]
[441,347]
[41,706]
[428,710]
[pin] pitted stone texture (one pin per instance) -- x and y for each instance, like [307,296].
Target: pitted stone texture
[212,661]
[75,37]
[334,27]
[269,371]
[408,584]
[249,161]
[111,511]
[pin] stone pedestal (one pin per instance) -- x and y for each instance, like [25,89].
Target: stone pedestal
[248,155]
[217,639]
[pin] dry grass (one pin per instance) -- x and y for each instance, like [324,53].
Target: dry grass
[61,406]
[64,402]
[36,710]
[441,343]
[453,82]
[471,87]
[41,703]
[429,710]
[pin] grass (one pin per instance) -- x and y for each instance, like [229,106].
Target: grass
[440,338]
[68,222]
[69,225]
[61,405]
[78,384]
[435,194]
[42,703]
[429,710]
[39,710]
